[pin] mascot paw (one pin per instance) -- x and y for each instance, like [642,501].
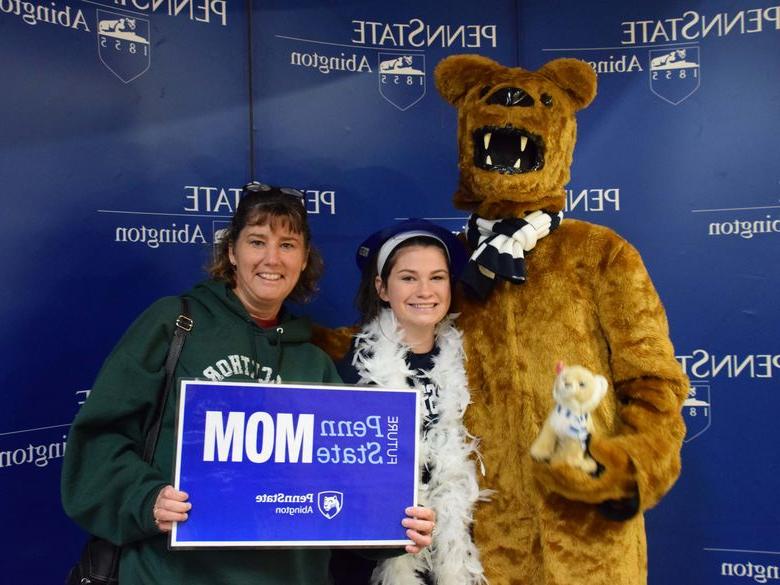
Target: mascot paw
[334,342]
[614,482]
[538,453]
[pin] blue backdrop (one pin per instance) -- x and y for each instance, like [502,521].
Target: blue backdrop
[127,129]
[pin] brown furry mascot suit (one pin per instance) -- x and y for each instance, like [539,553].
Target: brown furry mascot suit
[555,290]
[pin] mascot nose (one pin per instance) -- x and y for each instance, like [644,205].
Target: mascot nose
[511,97]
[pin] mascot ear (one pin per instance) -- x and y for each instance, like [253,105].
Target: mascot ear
[457,74]
[575,77]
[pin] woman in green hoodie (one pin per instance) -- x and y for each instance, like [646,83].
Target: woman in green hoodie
[242,332]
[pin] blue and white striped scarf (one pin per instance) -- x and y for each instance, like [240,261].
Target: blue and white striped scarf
[499,248]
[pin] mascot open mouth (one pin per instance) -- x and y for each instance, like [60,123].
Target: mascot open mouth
[507,150]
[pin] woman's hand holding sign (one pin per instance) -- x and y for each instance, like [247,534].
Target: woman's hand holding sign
[419,527]
[170,506]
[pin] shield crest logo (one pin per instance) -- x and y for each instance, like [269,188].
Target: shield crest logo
[330,503]
[675,73]
[697,410]
[123,44]
[402,78]
[220,230]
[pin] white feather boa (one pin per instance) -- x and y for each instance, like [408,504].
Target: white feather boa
[453,488]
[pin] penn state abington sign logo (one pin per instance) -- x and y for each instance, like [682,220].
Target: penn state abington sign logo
[697,410]
[123,44]
[330,503]
[402,78]
[674,73]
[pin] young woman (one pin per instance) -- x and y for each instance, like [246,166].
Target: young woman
[408,338]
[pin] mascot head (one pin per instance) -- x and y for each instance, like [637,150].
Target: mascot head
[516,131]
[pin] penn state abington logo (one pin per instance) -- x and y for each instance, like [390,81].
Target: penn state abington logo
[674,74]
[402,78]
[697,410]
[123,44]
[330,503]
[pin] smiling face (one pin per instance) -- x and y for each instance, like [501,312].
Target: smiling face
[268,263]
[418,291]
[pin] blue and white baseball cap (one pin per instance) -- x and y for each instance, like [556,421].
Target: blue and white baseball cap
[380,245]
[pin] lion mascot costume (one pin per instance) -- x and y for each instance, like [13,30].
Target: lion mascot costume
[542,289]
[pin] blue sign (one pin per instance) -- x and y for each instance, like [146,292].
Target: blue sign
[295,465]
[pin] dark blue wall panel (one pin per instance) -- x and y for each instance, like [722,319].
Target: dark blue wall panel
[93,160]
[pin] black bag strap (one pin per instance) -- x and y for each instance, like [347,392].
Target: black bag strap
[99,562]
[184,325]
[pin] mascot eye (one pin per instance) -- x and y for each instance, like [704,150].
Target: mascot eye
[511,96]
[547,99]
[483,92]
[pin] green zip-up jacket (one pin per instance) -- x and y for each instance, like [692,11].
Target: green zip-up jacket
[109,490]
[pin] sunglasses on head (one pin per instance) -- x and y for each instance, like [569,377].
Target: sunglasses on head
[257,187]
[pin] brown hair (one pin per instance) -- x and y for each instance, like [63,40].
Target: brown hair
[273,208]
[367,299]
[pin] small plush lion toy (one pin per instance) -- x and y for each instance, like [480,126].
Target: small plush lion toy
[577,392]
